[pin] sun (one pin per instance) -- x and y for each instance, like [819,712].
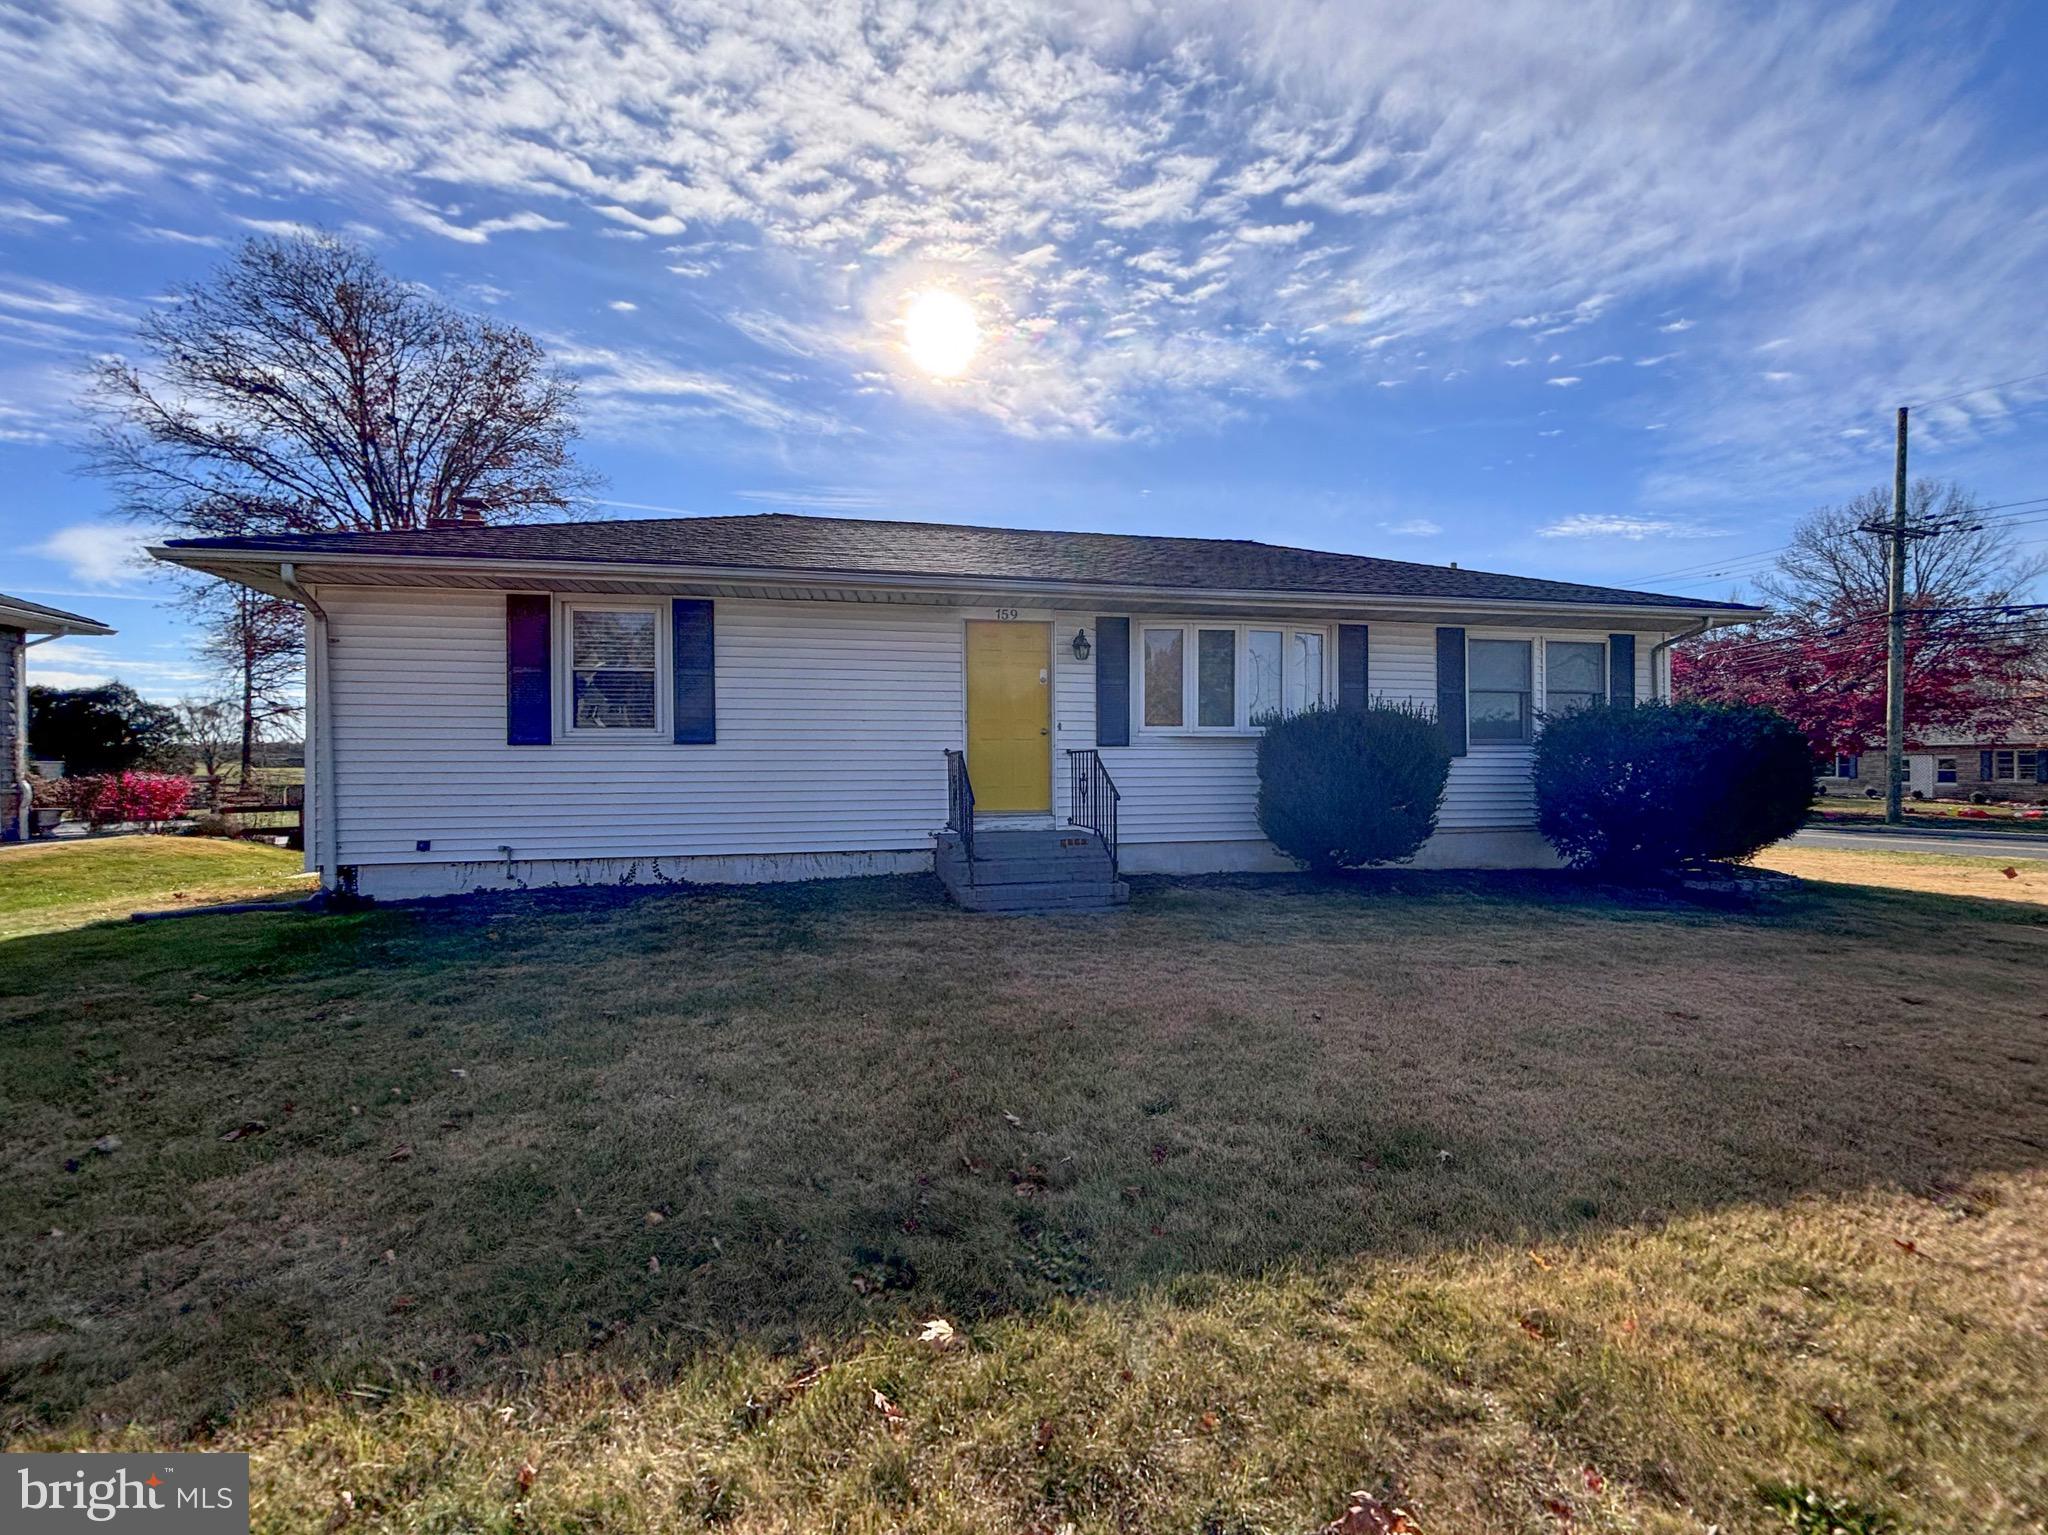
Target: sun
[940,332]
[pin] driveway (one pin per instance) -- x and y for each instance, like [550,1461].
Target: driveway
[1926,839]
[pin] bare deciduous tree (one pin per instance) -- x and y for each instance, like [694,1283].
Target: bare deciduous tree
[1833,568]
[206,728]
[303,388]
[257,643]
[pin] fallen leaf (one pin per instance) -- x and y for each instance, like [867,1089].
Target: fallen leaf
[402,1303]
[1209,1422]
[938,1332]
[1594,1480]
[200,996]
[1532,1329]
[1042,1440]
[526,1476]
[1014,1120]
[1367,1515]
[1628,1323]
[1560,1510]
[653,1264]
[1538,1259]
[1906,1247]
[246,1129]
[655,1217]
[390,1256]
[891,1413]
[107,1145]
[402,1154]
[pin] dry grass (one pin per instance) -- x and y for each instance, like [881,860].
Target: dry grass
[1505,1192]
[1930,873]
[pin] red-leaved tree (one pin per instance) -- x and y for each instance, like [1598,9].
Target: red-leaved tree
[1973,666]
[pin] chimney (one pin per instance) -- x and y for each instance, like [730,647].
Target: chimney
[468,512]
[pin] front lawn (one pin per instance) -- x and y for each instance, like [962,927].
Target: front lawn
[1948,814]
[45,886]
[1533,1207]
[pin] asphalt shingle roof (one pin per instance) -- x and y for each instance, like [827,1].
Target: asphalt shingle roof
[847,546]
[57,616]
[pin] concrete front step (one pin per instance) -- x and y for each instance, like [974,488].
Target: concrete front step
[1058,895]
[1029,870]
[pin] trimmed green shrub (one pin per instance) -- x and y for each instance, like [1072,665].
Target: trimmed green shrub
[1661,788]
[1343,788]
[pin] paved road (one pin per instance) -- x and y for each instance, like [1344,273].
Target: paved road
[1958,843]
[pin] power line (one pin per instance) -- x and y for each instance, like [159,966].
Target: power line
[2006,383]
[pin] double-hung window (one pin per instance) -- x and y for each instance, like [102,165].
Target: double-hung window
[1574,675]
[1846,765]
[2013,766]
[612,666]
[1497,690]
[1944,770]
[1229,677]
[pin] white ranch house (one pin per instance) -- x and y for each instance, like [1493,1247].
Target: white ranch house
[731,699]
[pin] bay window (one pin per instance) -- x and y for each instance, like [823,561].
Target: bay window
[1241,675]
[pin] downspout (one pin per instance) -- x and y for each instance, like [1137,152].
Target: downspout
[24,818]
[1661,646]
[321,711]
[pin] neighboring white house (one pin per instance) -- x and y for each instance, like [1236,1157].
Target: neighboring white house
[23,626]
[775,697]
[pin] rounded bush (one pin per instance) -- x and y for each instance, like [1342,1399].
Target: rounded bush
[1661,788]
[1344,788]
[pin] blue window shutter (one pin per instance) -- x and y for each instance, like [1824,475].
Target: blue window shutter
[1984,766]
[1855,765]
[529,669]
[1112,682]
[696,675]
[1450,686]
[2041,766]
[1621,670]
[1353,658]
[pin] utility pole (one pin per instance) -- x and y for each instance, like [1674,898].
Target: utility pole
[1895,640]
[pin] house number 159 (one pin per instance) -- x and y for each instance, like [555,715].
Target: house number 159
[1007,615]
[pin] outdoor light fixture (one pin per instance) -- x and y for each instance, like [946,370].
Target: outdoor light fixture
[1080,644]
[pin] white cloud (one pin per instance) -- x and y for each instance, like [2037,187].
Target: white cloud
[1651,362]
[622,305]
[1464,170]
[1591,525]
[1676,326]
[99,553]
[1564,381]
[1413,527]
[19,211]
[1274,234]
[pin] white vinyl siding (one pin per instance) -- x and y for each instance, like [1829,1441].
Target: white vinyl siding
[833,719]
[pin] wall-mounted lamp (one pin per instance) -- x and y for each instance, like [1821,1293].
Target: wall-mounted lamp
[1081,646]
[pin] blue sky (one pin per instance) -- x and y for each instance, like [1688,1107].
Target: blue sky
[1574,290]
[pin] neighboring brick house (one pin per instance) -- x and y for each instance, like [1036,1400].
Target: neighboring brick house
[2011,768]
[19,620]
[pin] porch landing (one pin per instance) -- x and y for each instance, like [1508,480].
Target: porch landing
[1020,870]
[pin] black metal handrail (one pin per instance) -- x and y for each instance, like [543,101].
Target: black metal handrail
[1092,798]
[960,805]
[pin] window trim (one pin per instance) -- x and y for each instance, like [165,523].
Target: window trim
[1190,679]
[566,609]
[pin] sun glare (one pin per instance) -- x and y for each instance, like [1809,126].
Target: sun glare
[940,332]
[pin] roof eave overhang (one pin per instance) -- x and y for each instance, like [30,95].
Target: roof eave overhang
[42,623]
[240,564]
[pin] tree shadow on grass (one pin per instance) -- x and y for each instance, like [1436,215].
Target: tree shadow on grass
[469,1132]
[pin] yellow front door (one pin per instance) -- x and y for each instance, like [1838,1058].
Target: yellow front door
[1009,716]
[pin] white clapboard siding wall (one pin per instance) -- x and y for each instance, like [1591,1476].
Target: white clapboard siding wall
[833,720]
[1205,788]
